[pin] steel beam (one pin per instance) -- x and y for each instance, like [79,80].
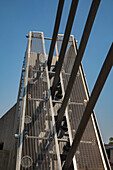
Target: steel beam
[45,38]
[64,44]
[108,63]
[55,32]
[52,113]
[22,116]
[80,53]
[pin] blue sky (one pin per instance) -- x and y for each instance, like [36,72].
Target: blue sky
[17,18]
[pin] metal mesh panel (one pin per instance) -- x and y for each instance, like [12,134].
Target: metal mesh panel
[88,154]
[39,150]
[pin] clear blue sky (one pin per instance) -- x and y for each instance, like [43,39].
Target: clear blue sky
[18,17]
